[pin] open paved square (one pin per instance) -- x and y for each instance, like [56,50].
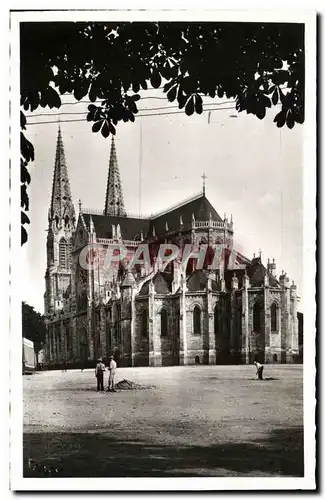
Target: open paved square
[197,421]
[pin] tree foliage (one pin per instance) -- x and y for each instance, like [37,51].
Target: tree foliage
[259,65]
[33,326]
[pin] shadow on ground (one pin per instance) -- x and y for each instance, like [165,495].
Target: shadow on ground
[97,455]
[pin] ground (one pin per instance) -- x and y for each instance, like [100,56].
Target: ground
[197,421]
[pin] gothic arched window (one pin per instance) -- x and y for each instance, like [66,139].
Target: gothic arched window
[274,317]
[63,254]
[256,317]
[216,320]
[191,266]
[144,323]
[118,324]
[164,323]
[177,323]
[197,320]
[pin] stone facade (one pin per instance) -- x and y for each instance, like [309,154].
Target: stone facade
[153,316]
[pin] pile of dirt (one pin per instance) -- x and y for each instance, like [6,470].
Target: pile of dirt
[128,385]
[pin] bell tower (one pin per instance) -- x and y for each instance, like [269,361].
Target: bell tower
[114,204]
[61,225]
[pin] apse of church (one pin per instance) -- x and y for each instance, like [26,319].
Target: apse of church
[231,312]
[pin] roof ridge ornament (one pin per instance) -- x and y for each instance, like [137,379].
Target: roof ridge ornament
[204,177]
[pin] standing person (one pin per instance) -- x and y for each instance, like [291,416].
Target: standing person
[112,370]
[99,374]
[260,369]
[64,365]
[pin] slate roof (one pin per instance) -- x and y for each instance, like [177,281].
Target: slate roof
[67,292]
[129,279]
[162,284]
[199,206]
[256,272]
[197,281]
[130,227]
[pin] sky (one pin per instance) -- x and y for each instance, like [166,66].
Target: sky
[254,172]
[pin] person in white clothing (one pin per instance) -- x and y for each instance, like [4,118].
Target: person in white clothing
[259,368]
[112,370]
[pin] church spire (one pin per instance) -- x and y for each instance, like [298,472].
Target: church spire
[114,204]
[62,210]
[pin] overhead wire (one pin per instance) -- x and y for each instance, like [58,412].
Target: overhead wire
[143,98]
[136,115]
[147,109]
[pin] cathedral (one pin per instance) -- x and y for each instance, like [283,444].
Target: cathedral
[151,315]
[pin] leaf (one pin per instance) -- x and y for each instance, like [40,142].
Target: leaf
[172,93]
[50,98]
[34,101]
[23,235]
[135,97]
[105,131]
[299,114]
[270,90]
[260,111]
[156,80]
[24,219]
[24,200]
[112,129]
[280,118]
[97,126]
[80,91]
[275,97]
[168,86]
[290,119]
[26,148]
[280,76]
[220,92]
[22,121]
[189,109]
[93,91]
[132,106]
[188,84]
[174,70]
[278,63]
[266,101]
[198,104]
[182,99]
[144,85]
[125,115]
[24,174]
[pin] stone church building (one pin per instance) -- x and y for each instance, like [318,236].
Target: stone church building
[150,316]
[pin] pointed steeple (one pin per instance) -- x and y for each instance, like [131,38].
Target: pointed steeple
[62,211]
[114,204]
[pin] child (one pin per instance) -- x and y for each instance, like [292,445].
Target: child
[259,370]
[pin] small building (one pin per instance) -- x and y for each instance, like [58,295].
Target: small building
[29,359]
